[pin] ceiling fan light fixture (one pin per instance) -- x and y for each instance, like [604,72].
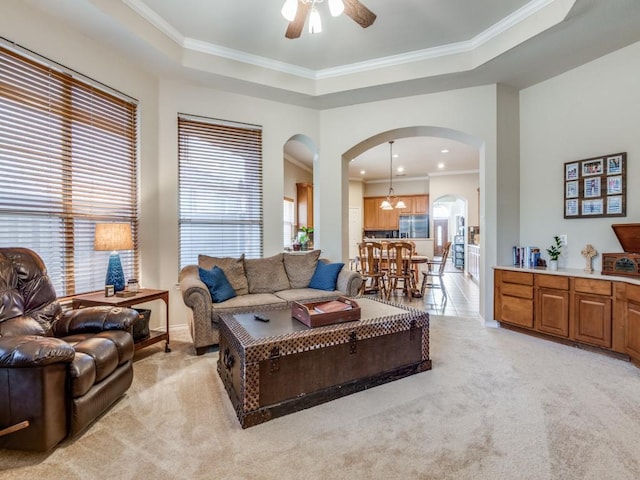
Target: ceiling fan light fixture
[315,22]
[336,7]
[289,9]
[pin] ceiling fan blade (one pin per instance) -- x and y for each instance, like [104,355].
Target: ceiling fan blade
[359,13]
[297,24]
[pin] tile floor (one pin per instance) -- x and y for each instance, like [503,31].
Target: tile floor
[462,297]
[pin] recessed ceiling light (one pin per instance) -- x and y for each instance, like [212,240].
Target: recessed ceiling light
[362,172]
[444,150]
[441,166]
[400,169]
[395,155]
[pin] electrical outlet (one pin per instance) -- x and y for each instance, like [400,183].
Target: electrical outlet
[563,240]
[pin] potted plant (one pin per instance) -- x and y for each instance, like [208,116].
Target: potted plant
[554,252]
[305,237]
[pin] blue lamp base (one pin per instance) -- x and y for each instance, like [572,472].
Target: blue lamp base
[115,275]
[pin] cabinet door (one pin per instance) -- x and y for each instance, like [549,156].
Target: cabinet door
[632,336]
[593,320]
[371,207]
[517,311]
[419,204]
[552,312]
[388,219]
[305,204]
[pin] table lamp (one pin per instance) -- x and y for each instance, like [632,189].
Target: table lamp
[113,237]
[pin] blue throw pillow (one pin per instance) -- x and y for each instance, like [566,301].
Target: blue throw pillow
[326,276]
[217,282]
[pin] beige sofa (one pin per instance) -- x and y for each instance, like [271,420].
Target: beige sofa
[259,284]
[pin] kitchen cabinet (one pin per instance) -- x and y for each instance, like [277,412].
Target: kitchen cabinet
[418,204]
[305,204]
[513,298]
[377,219]
[552,305]
[388,219]
[371,208]
[593,312]
[631,313]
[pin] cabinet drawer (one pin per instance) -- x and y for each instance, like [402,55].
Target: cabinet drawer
[552,281]
[595,287]
[521,278]
[513,290]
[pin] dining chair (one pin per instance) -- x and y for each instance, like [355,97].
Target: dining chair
[435,269]
[398,255]
[370,267]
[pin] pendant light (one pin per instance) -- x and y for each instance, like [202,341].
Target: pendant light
[391,201]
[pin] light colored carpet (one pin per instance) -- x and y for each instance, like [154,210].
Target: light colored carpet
[497,405]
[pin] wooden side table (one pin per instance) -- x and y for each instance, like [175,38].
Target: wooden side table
[144,295]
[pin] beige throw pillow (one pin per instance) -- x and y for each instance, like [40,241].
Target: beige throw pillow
[300,267]
[233,269]
[266,275]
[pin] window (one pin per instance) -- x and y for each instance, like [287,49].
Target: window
[289,222]
[220,189]
[68,160]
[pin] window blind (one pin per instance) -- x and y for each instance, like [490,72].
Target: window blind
[68,157]
[220,189]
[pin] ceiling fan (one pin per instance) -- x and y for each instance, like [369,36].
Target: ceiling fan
[296,11]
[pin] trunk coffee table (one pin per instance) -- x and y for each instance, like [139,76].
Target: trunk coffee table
[270,369]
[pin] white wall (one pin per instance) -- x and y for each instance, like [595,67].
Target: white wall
[464,186]
[294,174]
[400,187]
[587,112]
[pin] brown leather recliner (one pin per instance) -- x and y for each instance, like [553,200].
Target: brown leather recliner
[58,370]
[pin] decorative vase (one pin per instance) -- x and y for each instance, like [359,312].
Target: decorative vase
[115,274]
[553,264]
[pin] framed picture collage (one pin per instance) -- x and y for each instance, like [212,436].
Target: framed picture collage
[596,187]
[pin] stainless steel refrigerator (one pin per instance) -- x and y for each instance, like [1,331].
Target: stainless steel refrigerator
[414,226]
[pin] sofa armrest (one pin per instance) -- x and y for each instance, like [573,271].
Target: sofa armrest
[197,297]
[349,282]
[33,351]
[93,320]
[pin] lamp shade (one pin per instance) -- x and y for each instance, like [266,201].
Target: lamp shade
[113,237]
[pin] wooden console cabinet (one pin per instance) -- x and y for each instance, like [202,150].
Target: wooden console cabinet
[572,306]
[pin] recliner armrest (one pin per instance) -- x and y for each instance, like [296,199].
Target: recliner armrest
[34,351]
[93,320]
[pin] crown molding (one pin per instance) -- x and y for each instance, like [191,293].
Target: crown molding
[447,174]
[501,27]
